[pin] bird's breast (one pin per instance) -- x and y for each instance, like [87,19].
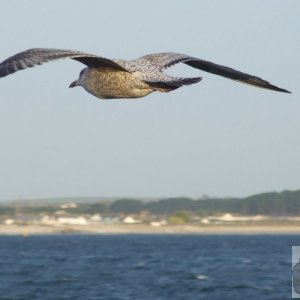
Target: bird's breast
[109,84]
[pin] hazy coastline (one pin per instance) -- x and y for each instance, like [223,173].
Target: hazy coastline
[146,229]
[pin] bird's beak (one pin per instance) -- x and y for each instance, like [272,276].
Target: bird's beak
[73,84]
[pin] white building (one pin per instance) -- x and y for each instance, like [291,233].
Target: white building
[72,221]
[95,218]
[68,205]
[131,220]
[9,221]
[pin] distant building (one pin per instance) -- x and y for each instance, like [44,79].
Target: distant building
[46,220]
[68,205]
[72,221]
[131,220]
[227,217]
[158,223]
[9,221]
[95,218]
[205,221]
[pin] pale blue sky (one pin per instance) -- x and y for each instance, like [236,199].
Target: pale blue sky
[217,137]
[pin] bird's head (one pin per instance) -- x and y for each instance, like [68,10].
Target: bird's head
[79,81]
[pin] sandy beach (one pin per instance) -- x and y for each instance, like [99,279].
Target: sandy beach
[146,229]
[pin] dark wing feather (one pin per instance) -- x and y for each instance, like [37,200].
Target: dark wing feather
[161,61]
[227,72]
[33,57]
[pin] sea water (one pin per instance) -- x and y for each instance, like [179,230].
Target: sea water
[146,267]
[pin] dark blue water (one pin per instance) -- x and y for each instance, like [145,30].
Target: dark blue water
[149,267]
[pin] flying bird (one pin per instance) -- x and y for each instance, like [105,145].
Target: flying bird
[113,78]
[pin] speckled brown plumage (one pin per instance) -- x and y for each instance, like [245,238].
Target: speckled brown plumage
[107,78]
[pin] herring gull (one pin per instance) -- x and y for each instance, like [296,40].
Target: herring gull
[113,78]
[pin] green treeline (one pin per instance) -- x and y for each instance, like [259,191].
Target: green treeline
[273,204]
[284,203]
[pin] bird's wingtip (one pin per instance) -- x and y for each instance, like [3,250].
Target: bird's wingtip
[284,91]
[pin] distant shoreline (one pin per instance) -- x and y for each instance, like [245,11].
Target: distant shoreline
[146,229]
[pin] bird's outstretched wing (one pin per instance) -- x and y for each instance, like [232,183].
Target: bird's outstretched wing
[149,68]
[37,56]
[161,61]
